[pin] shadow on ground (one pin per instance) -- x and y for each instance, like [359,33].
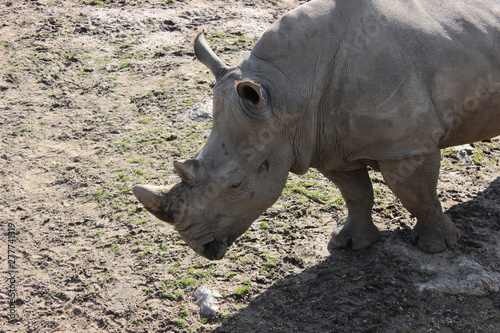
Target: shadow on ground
[392,286]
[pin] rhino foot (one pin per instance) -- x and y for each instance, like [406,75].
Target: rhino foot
[355,235]
[435,237]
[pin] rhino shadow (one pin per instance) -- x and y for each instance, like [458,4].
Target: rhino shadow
[392,286]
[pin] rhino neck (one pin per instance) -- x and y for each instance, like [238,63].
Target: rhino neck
[305,115]
[300,56]
[304,146]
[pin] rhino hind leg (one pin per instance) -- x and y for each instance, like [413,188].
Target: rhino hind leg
[414,182]
[358,231]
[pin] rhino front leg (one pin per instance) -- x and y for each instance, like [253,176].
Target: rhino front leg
[358,231]
[414,181]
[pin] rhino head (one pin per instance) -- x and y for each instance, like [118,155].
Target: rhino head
[240,171]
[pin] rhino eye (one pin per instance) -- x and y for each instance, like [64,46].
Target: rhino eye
[264,166]
[234,180]
[235,185]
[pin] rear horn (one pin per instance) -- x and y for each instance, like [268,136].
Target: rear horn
[208,57]
[191,172]
[167,204]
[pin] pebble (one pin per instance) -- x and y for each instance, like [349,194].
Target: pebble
[464,151]
[201,111]
[207,299]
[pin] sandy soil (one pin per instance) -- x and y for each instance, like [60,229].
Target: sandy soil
[96,96]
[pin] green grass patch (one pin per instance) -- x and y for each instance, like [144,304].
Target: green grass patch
[242,290]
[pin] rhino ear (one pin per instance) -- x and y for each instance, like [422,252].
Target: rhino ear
[208,57]
[252,93]
[191,172]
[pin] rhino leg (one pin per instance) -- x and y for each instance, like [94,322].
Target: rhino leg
[414,182]
[358,231]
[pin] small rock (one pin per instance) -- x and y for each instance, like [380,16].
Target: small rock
[256,249]
[77,312]
[464,151]
[206,299]
[201,111]
[261,279]
[467,148]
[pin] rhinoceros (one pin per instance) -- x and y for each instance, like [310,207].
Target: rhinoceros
[340,86]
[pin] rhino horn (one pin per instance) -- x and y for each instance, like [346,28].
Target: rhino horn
[208,57]
[191,172]
[167,204]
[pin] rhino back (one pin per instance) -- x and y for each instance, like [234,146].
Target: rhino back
[379,79]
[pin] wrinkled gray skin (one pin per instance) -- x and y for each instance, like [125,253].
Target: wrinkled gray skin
[339,86]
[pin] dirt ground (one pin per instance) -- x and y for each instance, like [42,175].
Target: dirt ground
[97,96]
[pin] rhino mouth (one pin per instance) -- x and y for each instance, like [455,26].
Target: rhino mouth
[210,247]
[214,250]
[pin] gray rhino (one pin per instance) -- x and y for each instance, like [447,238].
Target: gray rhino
[341,86]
